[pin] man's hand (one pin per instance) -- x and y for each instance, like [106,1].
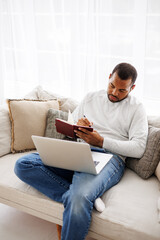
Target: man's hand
[84,122]
[92,138]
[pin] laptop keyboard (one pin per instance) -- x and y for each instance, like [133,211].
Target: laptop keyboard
[96,163]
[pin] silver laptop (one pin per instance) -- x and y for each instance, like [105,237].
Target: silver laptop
[75,156]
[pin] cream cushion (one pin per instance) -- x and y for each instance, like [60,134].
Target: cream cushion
[28,118]
[65,103]
[130,213]
[154,121]
[5,131]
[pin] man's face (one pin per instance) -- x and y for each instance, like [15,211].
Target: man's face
[118,89]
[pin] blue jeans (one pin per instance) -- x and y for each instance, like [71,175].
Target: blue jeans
[76,190]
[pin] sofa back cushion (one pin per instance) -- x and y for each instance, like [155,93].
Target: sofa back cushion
[154,121]
[28,117]
[5,131]
[65,103]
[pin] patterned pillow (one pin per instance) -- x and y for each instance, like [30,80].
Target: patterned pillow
[50,130]
[146,165]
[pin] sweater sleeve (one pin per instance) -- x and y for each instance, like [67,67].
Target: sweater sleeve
[135,145]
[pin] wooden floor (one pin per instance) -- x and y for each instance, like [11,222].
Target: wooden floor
[16,225]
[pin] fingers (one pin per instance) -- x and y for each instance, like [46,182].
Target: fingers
[82,133]
[84,122]
[92,138]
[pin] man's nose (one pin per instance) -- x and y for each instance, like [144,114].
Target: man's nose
[115,92]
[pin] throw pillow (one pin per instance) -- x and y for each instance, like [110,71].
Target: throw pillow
[5,131]
[50,130]
[154,121]
[146,165]
[33,95]
[28,117]
[65,103]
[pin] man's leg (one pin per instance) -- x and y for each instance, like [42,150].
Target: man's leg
[79,199]
[52,182]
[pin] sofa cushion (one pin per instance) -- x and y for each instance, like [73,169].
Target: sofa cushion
[154,121]
[50,130]
[146,165]
[28,118]
[131,205]
[65,103]
[5,131]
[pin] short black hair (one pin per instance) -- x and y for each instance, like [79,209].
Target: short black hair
[125,71]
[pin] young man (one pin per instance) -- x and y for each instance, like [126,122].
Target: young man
[120,127]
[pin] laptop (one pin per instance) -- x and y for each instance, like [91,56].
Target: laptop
[76,156]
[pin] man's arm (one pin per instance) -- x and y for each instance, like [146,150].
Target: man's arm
[138,133]
[92,138]
[133,147]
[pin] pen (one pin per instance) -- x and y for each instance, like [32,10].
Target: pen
[85,117]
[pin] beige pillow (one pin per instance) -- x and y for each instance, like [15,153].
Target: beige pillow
[28,117]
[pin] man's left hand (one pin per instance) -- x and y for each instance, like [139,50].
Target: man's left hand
[92,138]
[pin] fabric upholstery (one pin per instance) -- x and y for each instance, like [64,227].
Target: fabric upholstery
[5,131]
[50,130]
[65,103]
[130,213]
[146,166]
[154,121]
[28,118]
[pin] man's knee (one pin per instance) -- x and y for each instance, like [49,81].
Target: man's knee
[25,164]
[77,202]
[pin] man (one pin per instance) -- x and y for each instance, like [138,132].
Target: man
[120,127]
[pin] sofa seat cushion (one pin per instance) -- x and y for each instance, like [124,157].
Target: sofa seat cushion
[131,206]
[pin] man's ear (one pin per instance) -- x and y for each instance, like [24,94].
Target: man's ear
[133,86]
[110,75]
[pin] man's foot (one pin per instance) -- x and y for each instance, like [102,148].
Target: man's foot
[99,205]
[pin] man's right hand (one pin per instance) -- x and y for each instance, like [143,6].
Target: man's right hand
[84,122]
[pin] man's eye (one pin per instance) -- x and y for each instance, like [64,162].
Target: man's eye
[123,91]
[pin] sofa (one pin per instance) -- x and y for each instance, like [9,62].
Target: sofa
[132,207]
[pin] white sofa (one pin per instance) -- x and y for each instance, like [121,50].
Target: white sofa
[131,212]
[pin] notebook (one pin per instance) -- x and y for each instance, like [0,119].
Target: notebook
[76,156]
[67,127]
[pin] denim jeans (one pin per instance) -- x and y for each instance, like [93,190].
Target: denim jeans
[76,190]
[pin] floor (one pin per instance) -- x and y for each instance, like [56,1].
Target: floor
[16,225]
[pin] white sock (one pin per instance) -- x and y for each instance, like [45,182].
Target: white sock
[99,205]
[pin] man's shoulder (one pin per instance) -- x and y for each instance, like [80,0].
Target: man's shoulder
[135,105]
[133,101]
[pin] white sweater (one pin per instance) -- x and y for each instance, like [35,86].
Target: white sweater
[122,124]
